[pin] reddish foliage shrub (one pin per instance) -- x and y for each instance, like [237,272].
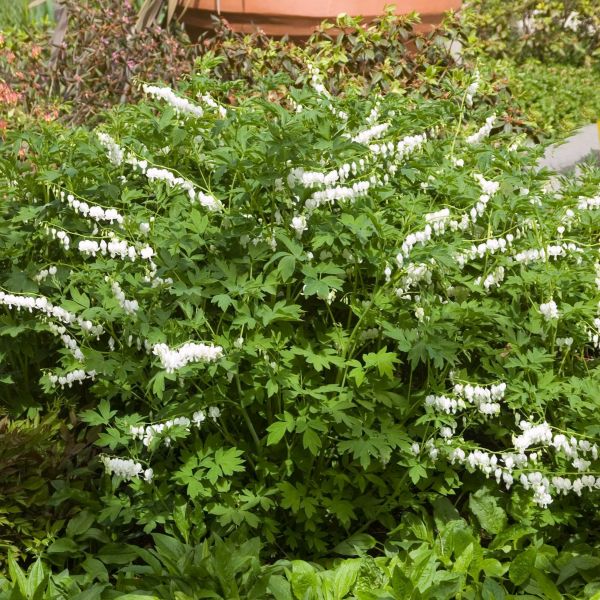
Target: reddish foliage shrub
[102,55]
[96,62]
[379,55]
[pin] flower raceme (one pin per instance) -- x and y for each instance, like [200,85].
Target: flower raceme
[502,465]
[339,193]
[115,248]
[483,132]
[159,431]
[554,251]
[114,151]
[117,156]
[126,468]
[42,305]
[171,180]
[181,105]
[97,213]
[437,222]
[129,306]
[77,376]
[365,136]
[44,273]
[549,310]
[173,359]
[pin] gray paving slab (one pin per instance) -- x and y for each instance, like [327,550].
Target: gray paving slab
[583,144]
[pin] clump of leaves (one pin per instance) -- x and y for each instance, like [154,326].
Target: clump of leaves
[102,54]
[564,31]
[167,569]
[437,557]
[33,453]
[22,82]
[442,556]
[385,54]
[94,65]
[556,98]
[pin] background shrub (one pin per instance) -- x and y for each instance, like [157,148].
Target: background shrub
[555,99]
[387,54]
[31,456]
[565,31]
[102,55]
[94,67]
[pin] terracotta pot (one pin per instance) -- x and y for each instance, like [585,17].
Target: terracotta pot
[299,19]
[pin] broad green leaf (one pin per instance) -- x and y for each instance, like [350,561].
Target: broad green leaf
[93,592]
[287,265]
[345,576]
[547,586]
[492,590]
[79,524]
[35,579]
[311,441]
[168,546]
[148,596]
[463,560]
[493,568]
[356,545]
[454,537]
[96,569]
[522,566]
[485,507]
[444,511]
[510,537]
[305,582]
[16,573]
[64,546]
[117,554]
[401,583]
[280,587]
[276,432]
[577,564]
